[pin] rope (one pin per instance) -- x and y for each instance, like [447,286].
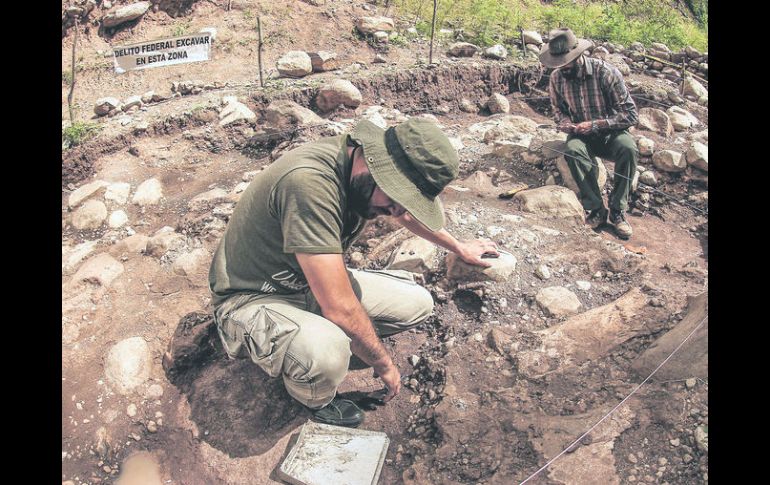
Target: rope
[616,407]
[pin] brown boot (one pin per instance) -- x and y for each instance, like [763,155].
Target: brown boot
[597,217]
[622,227]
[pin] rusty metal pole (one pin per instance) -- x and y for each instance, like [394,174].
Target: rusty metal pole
[72,85]
[259,51]
[432,30]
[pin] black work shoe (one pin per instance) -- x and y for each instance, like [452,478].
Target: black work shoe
[622,227]
[339,412]
[597,217]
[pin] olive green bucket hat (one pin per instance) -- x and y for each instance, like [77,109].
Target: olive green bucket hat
[412,163]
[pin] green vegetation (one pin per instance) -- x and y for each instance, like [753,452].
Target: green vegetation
[181,29]
[78,132]
[487,22]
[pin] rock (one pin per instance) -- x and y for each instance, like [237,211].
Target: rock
[189,264]
[102,269]
[282,113]
[502,268]
[117,219]
[691,360]
[497,51]
[415,254]
[533,50]
[660,47]
[71,257]
[295,64]
[583,285]
[499,341]
[149,192]
[104,105]
[698,156]
[128,364]
[90,215]
[132,101]
[691,383]
[632,458]
[656,120]
[133,244]
[558,301]
[693,88]
[463,49]
[125,14]
[497,103]
[84,192]
[381,36]
[569,181]
[379,59]
[456,143]
[336,93]
[532,37]
[370,25]
[702,438]
[468,106]
[207,199]
[165,240]
[669,161]
[373,114]
[646,147]
[648,178]
[118,192]
[234,111]
[600,53]
[505,127]
[551,201]
[190,86]
[543,272]
[681,119]
[324,61]
[674,442]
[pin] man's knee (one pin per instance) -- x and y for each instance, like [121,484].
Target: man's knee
[625,147]
[318,356]
[575,147]
[423,305]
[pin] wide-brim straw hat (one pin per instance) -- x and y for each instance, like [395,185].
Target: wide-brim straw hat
[562,48]
[412,163]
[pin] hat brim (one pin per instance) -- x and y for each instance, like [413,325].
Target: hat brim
[552,61]
[388,177]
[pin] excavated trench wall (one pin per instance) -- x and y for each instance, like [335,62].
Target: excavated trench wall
[412,91]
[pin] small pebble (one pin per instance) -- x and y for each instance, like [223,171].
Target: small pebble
[131,410]
[690,383]
[106,469]
[632,458]
[662,461]
[675,442]
[152,427]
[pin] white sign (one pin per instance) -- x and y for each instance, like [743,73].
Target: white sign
[162,52]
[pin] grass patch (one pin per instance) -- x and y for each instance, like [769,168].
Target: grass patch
[487,22]
[181,29]
[79,132]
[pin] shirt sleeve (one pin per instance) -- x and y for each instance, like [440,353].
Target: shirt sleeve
[307,203]
[559,105]
[619,100]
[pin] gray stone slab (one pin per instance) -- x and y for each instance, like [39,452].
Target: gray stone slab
[333,455]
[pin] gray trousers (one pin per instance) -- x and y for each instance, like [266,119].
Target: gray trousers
[286,335]
[617,146]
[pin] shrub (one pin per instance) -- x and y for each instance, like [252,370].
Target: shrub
[79,132]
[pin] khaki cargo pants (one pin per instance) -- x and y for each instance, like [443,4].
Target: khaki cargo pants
[286,334]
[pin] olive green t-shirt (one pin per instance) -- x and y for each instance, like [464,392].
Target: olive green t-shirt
[298,204]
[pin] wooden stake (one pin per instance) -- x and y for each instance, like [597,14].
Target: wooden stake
[432,30]
[72,86]
[684,72]
[229,4]
[523,44]
[259,52]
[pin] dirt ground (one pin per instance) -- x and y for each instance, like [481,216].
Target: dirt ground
[485,399]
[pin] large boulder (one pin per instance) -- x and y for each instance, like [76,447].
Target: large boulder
[497,103]
[698,156]
[569,181]
[164,240]
[295,64]
[104,105]
[463,49]
[208,199]
[656,120]
[693,88]
[532,37]
[84,192]
[509,127]
[149,192]
[370,25]
[415,254]
[192,263]
[501,268]
[90,215]
[234,111]
[681,119]
[551,201]
[281,113]
[128,364]
[125,14]
[102,269]
[337,93]
[646,146]
[558,301]
[669,161]
[497,51]
[324,61]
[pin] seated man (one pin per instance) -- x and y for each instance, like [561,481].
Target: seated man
[591,103]
[280,288]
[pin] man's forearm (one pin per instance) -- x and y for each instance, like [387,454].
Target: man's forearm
[440,237]
[364,340]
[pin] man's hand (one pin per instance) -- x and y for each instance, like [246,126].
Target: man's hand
[566,127]
[471,251]
[392,379]
[583,128]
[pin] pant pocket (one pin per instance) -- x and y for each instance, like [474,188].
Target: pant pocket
[267,336]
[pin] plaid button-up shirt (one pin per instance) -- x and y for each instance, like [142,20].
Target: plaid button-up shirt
[597,92]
